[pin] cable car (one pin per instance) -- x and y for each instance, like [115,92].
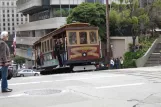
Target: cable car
[75,45]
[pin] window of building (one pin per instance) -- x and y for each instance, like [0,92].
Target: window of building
[4,24]
[13,20]
[8,24]
[3,11]
[7,3]
[17,15]
[13,28]
[17,23]
[8,15]
[8,11]
[8,28]
[17,19]
[12,3]
[12,15]
[4,20]
[4,29]
[13,24]
[12,11]
[8,19]
[3,3]
[3,15]
[21,19]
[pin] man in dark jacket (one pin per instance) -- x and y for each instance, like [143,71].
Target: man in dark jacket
[4,61]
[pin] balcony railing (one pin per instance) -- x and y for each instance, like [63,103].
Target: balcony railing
[26,40]
[66,2]
[51,23]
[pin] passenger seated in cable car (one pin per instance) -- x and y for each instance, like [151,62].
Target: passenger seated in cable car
[93,38]
[83,38]
[72,39]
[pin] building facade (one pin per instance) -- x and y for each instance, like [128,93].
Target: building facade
[9,17]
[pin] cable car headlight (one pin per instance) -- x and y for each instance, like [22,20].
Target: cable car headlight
[84,54]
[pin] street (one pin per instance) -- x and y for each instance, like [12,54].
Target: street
[139,87]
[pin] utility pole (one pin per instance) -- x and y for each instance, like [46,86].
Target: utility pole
[107,46]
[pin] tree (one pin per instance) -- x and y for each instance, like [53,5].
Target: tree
[130,17]
[95,14]
[19,60]
[154,11]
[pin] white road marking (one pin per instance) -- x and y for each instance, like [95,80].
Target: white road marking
[91,78]
[13,96]
[30,83]
[117,86]
[16,95]
[34,77]
[39,82]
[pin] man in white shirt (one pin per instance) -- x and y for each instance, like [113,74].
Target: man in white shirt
[112,63]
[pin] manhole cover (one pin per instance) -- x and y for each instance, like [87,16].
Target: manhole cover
[42,92]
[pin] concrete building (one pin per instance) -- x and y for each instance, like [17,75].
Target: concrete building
[9,17]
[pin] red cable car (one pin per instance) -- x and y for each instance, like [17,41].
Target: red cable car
[75,45]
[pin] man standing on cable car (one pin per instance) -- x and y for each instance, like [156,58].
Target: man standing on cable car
[57,52]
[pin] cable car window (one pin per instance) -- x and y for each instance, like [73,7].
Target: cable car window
[83,37]
[72,38]
[48,45]
[42,46]
[93,38]
[51,44]
[45,46]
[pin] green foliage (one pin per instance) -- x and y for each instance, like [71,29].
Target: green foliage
[19,60]
[126,19]
[62,12]
[154,15]
[95,14]
[129,64]
[130,57]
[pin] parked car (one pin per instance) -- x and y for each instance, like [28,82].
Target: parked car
[10,73]
[27,72]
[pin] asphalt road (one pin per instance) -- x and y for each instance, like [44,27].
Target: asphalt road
[117,88]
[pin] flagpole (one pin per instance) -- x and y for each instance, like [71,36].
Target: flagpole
[14,44]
